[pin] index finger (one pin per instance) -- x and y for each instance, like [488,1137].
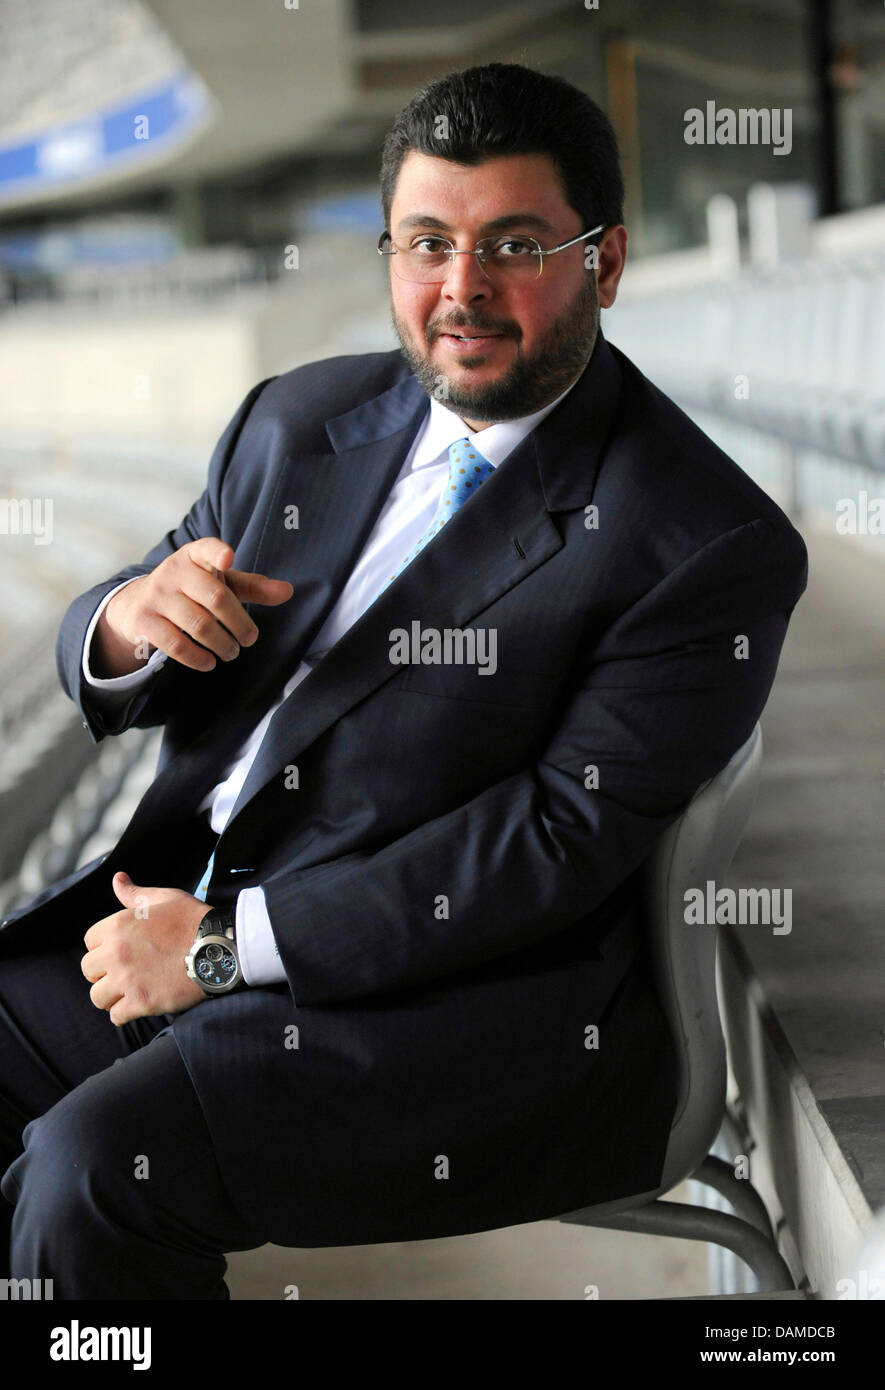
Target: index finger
[93,936]
[215,556]
[258,588]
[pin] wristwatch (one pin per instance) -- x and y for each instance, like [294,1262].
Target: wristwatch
[212,960]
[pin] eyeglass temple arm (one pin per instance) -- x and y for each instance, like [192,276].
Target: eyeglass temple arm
[554,249]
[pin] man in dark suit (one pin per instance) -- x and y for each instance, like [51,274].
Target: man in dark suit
[521,608]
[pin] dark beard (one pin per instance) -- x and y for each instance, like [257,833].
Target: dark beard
[531,382]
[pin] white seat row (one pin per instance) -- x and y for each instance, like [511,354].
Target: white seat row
[799,351]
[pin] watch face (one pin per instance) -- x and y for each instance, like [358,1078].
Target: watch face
[215,965]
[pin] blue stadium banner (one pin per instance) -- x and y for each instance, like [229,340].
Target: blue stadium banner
[116,138]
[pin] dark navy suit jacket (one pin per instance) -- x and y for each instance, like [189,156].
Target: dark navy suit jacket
[440,1080]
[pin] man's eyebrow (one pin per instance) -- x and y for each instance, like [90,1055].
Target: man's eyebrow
[498,224]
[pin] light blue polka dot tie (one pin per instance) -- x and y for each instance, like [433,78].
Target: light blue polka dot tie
[202,887]
[468,471]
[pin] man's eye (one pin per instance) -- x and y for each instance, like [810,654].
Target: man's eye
[428,245]
[513,246]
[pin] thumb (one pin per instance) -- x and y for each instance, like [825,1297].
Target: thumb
[123,886]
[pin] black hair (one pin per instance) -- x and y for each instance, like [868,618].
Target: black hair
[504,108]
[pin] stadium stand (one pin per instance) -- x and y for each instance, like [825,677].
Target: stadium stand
[121,363]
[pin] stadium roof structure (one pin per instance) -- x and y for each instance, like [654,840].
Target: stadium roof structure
[108,95]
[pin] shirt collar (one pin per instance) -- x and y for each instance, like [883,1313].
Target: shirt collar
[442,427]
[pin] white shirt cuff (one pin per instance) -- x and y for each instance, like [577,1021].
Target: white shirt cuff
[256,947]
[132,679]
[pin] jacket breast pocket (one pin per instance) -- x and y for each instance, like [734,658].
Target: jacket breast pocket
[498,685]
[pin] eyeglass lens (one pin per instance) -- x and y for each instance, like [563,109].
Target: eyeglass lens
[429,259]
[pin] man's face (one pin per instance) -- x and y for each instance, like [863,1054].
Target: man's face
[541,331]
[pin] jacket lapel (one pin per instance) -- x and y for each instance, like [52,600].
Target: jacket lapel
[339,496]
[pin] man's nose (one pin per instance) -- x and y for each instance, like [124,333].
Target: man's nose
[466,282]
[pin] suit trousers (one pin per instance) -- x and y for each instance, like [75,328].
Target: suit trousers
[106,1158]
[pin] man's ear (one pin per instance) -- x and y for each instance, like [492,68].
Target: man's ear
[610,266]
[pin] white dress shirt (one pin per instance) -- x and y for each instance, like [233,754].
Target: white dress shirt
[408,512]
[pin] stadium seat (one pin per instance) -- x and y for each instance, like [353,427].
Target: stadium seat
[698,847]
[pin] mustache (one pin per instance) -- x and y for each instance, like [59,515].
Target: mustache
[434,330]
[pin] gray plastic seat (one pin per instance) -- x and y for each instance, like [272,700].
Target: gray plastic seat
[698,847]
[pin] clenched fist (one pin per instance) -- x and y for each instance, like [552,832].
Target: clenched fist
[135,957]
